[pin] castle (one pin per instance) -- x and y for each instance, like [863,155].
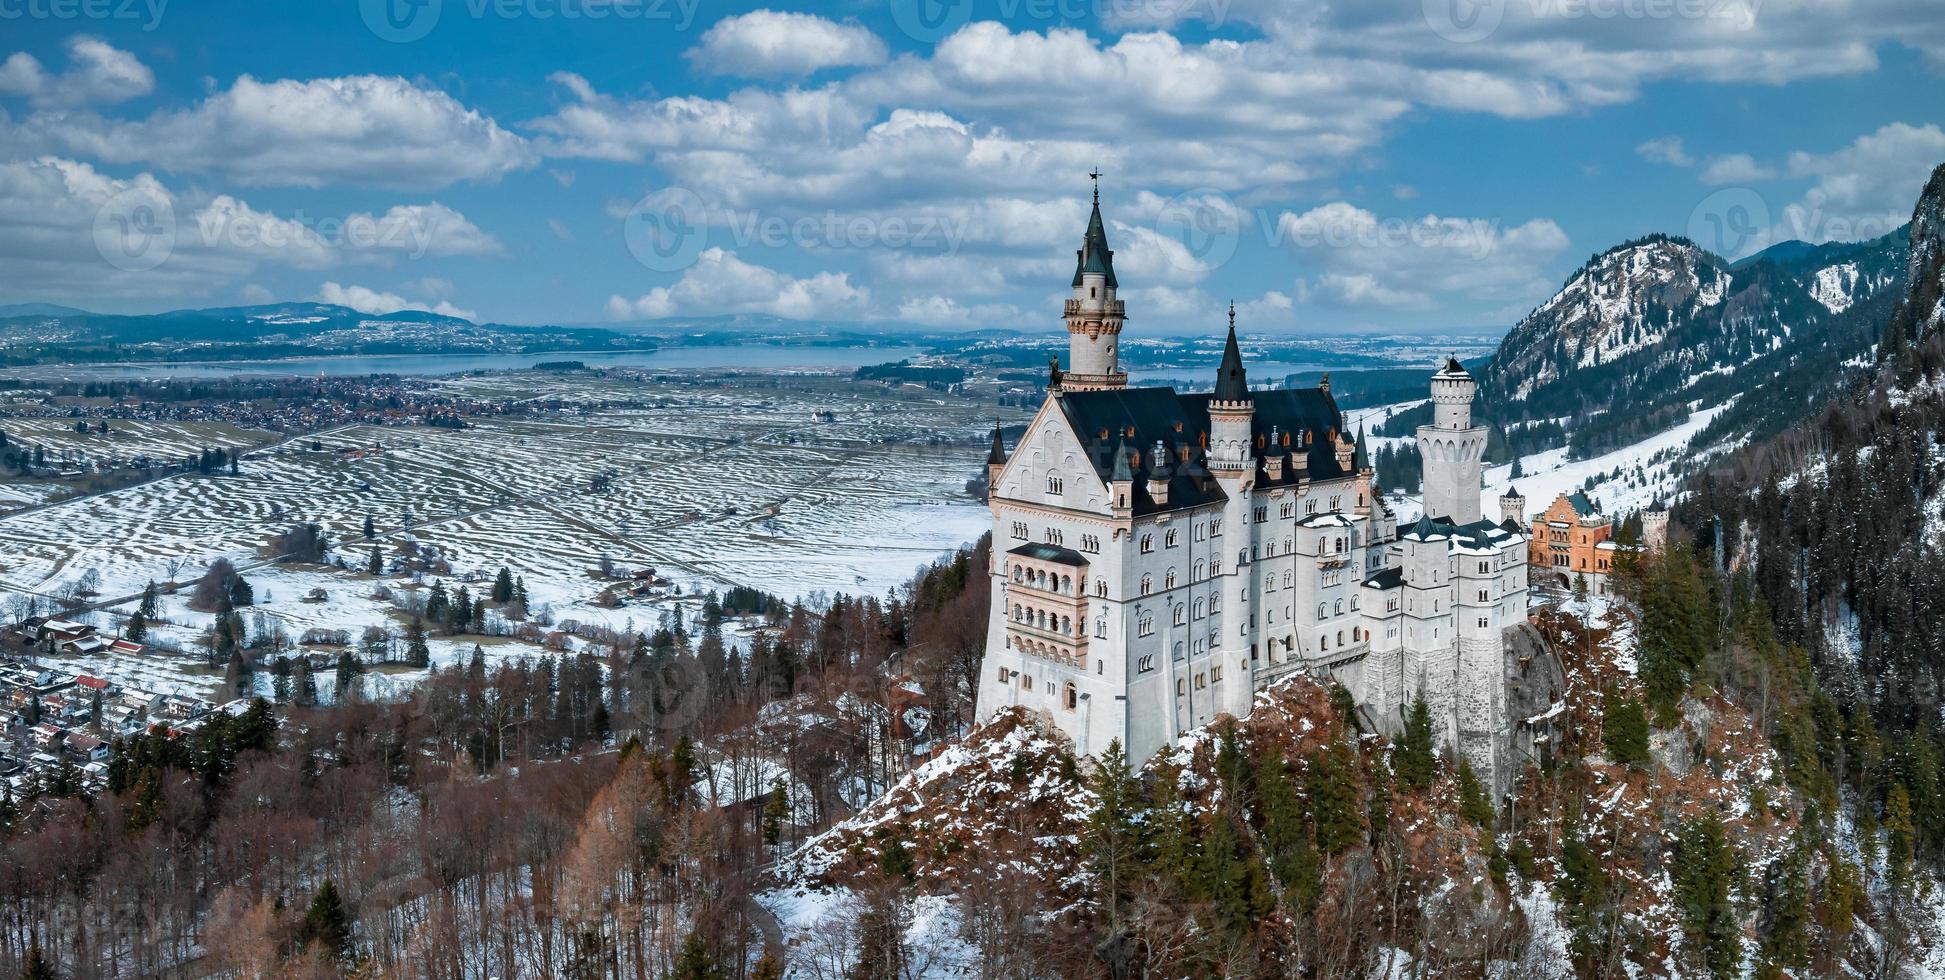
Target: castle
[1160,557]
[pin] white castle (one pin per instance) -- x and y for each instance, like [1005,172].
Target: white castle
[1159,557]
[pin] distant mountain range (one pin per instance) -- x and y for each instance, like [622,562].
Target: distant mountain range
[1653,329]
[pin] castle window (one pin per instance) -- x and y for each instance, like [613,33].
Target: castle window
[1147,544]
[1169,580]
[1215,604]
[1054,535]
[1336,503]
[1482,622]
[1215,526]
[1242,557]
[1053,483]
[1180,690]
[1483,597]
[1002,675]
[1026,681]
[1200,568]
[1215,674]
[1323,611]
[1201,681]
[1145,626]
[1101,587]
[1020,530]
[1485,568]
[1101,629]
[1147,584]
[1288,509]
[1197,610]
[1262,514]
[1177,650]
[1169,538]
[1145,664]
[1180,616]
[1070,697]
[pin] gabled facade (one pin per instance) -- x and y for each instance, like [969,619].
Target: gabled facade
[1159,556]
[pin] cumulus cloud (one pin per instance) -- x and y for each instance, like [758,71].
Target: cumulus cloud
[67,229]
[1419,263]
[1865,189]
[772,42]
[364,129]
[720,282]
[1664,149]
[944,311]
[1735,168]
[97,72]
[378,303]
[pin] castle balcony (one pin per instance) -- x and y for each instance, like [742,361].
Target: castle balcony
[1052,646]
[1113,308]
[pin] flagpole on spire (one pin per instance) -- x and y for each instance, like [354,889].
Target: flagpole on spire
[1095,176]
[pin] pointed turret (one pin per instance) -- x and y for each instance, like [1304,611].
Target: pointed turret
[1093,314]
[997,456]
[1232,385]
[1094,255]
[1363,457]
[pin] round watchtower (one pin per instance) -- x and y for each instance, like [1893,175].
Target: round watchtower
[1452,391]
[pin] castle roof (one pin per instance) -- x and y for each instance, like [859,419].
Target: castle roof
[1482,534]
[1453,369]
[997,456]
[1094,254]
[1052,553]
[1231,384]
[1581,505]
[1108,421]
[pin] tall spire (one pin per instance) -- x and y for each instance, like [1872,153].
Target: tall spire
[997,457]
[1231,384]
[1094,254]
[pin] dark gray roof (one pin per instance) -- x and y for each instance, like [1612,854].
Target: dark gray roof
[1112,422]
[1583,506]
[1049,552]
[1231,384]
[1386,578]
[998,454]
[1094,254]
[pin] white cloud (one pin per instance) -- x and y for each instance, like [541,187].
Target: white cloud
[771,42]
[1865,189]
[1735,168]
[363,129]
[1419,263]
[720,282]
[944,311]
[98,72]
[1665,149]
[378,303]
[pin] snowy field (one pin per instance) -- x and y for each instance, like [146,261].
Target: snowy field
[793,485]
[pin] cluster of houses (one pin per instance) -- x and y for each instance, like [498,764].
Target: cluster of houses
[53,718]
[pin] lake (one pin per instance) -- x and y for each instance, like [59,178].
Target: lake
[751,356]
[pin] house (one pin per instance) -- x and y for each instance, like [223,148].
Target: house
[88,747]
[60,631]
[48,735]
[92,683]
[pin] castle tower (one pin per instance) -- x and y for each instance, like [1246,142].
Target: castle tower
[1654,529]
[1512,506]
[1230,410]
[1093,314]
[1452,447]
[995,459]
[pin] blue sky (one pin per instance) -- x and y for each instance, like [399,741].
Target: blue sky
[1392,165]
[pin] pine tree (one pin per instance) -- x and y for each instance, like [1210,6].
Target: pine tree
[1289,841]
[1585,901]
[503,586]
[136,627]
[1416,759]
[1900,836]
[417,654]
[240,592]
[371,529]
[1225,879]
[327,924]
[696,962]
[1707,874]
[149,606]
[1475,804]
[1112,841]
[1786,939]
[775,811]
[1331,783]
[376,566]
[1626,732]
[306,694]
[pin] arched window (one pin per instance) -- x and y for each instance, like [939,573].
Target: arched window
[1169,581]
[1101,587]
[1180,617]
[1200,568]
[1197,611]
[1070,697]
[1322,610]
[1147,584]
[1340,607]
